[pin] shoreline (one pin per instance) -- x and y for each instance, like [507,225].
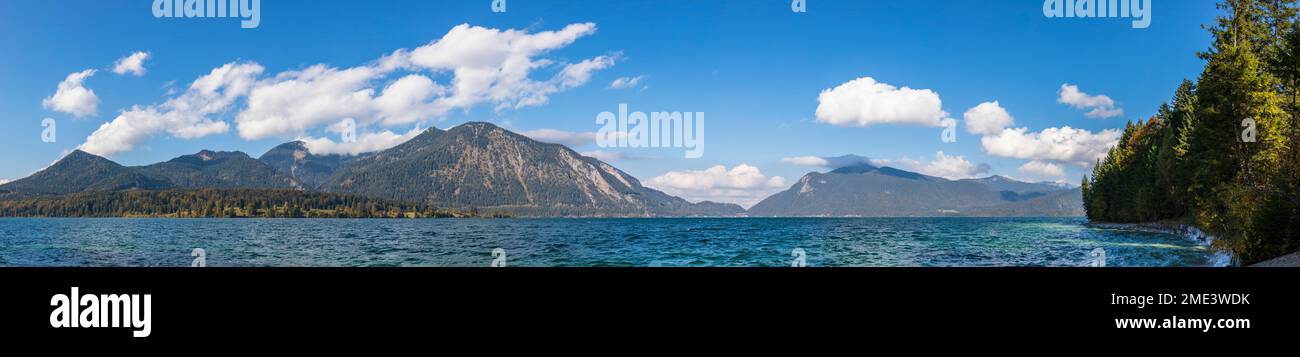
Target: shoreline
[1222,258]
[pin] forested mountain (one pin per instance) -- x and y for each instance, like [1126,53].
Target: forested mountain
[866,190]
[217,203]
[1224,155]
[476,167]
[482,165]
[210,169]
[297,161]
[80,172]
[1062,203]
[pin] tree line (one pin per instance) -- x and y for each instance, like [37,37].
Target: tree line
[223,203]
[1224,154]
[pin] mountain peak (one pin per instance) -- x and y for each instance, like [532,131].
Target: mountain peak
[209,155]
[477,125]
[997,178]
[859,168]
[77,154]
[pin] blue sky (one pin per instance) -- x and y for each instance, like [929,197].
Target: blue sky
[755,68]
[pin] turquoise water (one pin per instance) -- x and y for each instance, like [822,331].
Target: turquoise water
[683,242]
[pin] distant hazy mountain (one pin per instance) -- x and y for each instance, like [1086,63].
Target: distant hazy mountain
[210,169]
[866,190]
[1001,183]
[1063,203]
[79,172]
[297,161]
[482,165]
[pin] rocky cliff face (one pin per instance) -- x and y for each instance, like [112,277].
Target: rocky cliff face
[481,165]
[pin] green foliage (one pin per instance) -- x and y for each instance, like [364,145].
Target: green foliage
[1191,163]
[220,203]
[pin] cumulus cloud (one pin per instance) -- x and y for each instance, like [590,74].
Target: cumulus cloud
[943,165]
[826,161]
[953,167]
[133,64]
[1065,144]
[295,101]
[491,65]
[364,143]
[1042,170]
[4,181]
[743,184]
[566,138]
[626,82]
[485,65]
[1098,106]
[186,116]
[864,102]
[987,119]
[73,97]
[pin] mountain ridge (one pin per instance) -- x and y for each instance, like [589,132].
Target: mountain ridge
[479,165]
[865,190]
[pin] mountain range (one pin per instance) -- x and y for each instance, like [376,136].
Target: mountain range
[864,190]
[482,166]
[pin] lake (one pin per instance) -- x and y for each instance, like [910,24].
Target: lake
[666,242]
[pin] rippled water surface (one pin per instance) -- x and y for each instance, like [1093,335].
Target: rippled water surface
[587,242]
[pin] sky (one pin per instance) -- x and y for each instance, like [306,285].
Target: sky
[783,93]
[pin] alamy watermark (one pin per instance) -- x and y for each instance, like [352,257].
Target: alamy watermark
[1139,10]
[85,310]
[50,134]
[1098,258]
[248,10]
[800,258]
[200,258]
[1248,134]
[654,130]
[498,258]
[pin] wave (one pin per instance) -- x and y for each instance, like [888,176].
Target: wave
[1220,257]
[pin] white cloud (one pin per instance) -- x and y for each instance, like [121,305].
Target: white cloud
[73,97]
[364,143]
[408,100]
[606,156]
[485,66]
[491,65]
[1098,106]
[1042,170]
[943,165]
[566,138]
[579,73]
[826,162]
[864,102]
[295,101]
[952,167]
[626,82]
[4,181]
[133,64]
[1065,144]
[743,184]
[987,119]
[186,116]
[813,161]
